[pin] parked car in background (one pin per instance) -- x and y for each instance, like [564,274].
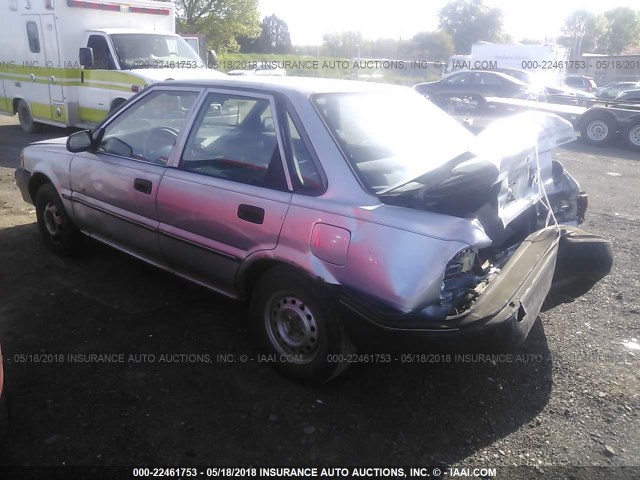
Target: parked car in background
[581,82]
[631,96]
[329,215]
[612,90]
[476,86]
[560,94]
[260,71]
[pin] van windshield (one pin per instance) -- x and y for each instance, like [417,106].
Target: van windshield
[141,50]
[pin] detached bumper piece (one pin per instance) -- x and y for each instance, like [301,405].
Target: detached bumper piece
[583,260]
[503,314]
[22,181]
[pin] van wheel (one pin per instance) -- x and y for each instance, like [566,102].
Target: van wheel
[298,326]
[632,136]
[27,123]
[115,105]
[598,130]
[58,232]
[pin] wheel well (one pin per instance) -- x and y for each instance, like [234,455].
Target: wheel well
[257,270]
[35,183]
[116,103]
[598,116]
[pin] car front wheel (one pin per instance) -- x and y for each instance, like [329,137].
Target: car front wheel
[298,326]
[58,232]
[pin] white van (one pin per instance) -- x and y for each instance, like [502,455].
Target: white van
[70,62]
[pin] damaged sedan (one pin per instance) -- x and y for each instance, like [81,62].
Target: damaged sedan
[344,224]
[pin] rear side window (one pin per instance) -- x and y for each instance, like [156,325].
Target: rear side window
[34,37]
[234,139]
[574,82]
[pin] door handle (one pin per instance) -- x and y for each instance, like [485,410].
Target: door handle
[251,213]
[142,185]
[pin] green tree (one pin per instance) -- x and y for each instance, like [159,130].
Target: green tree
[274,38]
[343,44]
[221,21]
[430,46]
[583,32]
[622,30]
[470,21]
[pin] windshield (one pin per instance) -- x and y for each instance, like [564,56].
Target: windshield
[140,50]
[392,138]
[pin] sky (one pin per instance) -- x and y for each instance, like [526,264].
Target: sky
[308,20]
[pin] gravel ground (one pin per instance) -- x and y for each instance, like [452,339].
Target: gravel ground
[570,397]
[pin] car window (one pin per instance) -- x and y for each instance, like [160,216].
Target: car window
[234,138]
[101,55]
[573,82]
[486,79]
[389,150]
[459,79]
[304,173]
[34,38]
[148,129]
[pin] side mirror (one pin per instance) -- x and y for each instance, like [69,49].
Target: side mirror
[86,57]
[79,141]
[212,59]
[267,124]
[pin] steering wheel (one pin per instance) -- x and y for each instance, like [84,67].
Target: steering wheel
[158,144]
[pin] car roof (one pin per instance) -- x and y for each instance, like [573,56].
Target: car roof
[288,84]
[121,30]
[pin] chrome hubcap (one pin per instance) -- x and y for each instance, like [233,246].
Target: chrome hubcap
[634,135]
[292,328]
[598,130]
[52,220]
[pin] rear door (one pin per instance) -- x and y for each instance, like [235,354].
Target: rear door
[54,70]
[35,86]
[229,195]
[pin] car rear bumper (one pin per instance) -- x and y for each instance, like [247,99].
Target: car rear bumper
[22,181]
[501,317]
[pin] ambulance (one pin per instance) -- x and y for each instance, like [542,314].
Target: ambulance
[70,62]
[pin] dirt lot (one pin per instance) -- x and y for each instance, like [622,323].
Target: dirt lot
[572,398]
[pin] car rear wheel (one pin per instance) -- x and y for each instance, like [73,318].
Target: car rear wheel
[27,123]
[632,136]
[298,326]
[598,130]
[58,232]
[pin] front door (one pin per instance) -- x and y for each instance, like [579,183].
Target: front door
[114,188]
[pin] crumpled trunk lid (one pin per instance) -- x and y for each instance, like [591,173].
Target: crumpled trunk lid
[520,147]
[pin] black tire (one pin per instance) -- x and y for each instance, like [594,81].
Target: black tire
[58,232]
[632,136]
[598,130]
[480,101]
[298,326]
[115,105]
[27,123]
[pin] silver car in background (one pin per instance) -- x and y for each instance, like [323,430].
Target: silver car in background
[345,223]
